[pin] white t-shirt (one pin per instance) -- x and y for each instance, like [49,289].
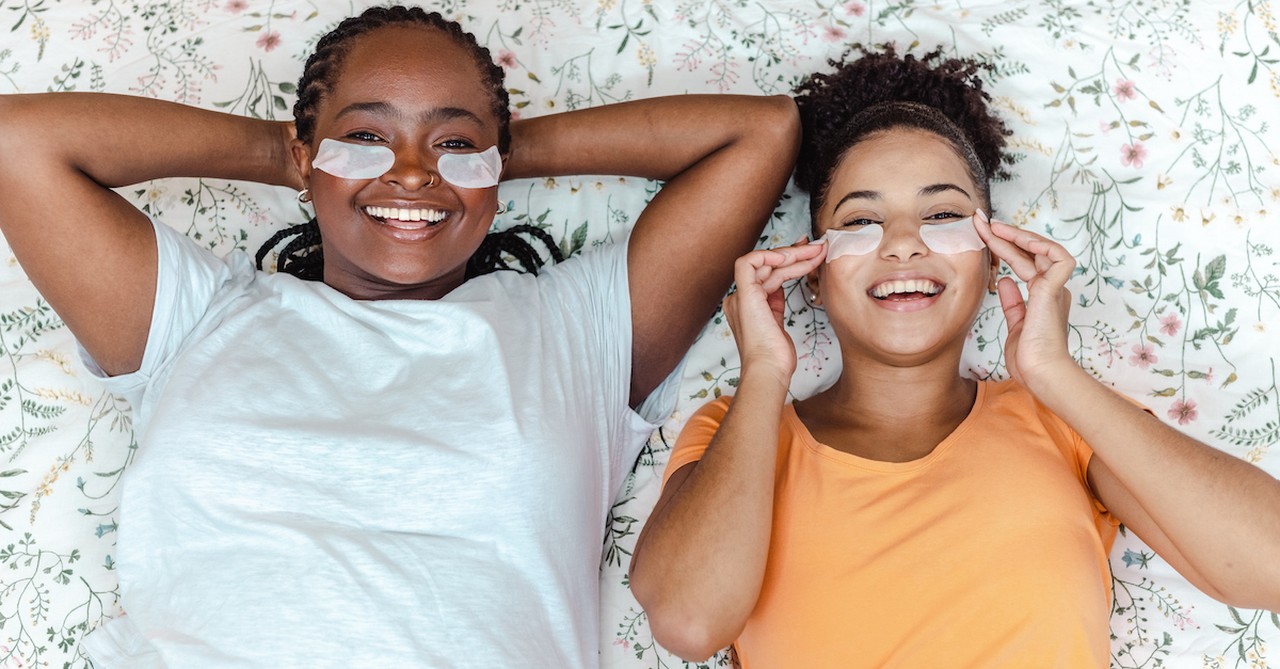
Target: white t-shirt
[322,481]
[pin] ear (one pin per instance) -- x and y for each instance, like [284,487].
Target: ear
[814,281]
[301,154]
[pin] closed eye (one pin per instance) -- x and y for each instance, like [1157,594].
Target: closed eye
[858,222]
[944,216]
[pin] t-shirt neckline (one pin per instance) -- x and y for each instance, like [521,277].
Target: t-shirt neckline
[848,459]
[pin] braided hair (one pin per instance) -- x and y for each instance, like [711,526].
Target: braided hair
[303,255]
[880,90]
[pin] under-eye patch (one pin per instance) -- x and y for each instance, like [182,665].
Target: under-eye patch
[855,242]
[353,161]
[471,170]
[950,238]
[360,161]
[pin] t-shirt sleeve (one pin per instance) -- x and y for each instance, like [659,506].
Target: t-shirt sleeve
[1084,454]
[594,299]
[187,279]
[696,435]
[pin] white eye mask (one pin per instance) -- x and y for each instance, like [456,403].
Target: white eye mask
[954,237]
[471,170]
[361,161]
[353,161]
[949,238]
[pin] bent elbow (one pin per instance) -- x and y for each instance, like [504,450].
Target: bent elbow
[1250,588]
[784,123]
[690,640]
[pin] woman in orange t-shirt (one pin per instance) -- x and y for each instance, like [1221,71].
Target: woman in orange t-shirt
[908,516]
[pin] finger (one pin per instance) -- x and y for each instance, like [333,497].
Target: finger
[1054,261]
[785,273]
[999,238]
[1011,302]
[753,267]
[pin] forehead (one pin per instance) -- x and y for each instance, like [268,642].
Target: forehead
[413,68]
[901,157]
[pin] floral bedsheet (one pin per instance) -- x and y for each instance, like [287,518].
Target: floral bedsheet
[1146,144]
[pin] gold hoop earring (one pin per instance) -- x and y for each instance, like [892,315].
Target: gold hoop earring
[304,196]
[502,207]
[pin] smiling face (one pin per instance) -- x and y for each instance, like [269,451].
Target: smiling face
[902,303]
[406,234]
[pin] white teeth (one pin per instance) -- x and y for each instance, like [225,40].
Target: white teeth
[905,286]
[397,214]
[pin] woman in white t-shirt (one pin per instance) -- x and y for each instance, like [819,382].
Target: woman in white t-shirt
[384,454]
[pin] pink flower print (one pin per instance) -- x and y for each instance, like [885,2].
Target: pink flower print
[1133,154]
[1183,411]
[1170,324]
[855,8]
[268,40]
[1123,90]
[506,59]
[833,33]
[1143,356]
[237,6]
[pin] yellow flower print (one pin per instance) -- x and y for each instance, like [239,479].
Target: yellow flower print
[1227,23]
[39,30]
[646,55]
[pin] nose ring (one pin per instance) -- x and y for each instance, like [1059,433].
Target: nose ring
[432,182]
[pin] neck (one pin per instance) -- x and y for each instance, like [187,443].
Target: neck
[365,288]
[876,395]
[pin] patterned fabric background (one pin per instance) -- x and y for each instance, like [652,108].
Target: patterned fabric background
[1144,130]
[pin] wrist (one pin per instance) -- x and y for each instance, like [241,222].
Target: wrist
[765,377]
[1057,383]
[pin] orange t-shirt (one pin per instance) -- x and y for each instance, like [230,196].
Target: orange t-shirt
[991,551]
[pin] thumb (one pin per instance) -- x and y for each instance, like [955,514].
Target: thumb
[1011,302]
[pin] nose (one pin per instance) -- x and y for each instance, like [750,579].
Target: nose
[413,169]
[902,241]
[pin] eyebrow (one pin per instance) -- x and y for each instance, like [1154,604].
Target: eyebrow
[431,115]
[932,189]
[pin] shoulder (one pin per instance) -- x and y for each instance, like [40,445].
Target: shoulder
[1010,402]
[713,411]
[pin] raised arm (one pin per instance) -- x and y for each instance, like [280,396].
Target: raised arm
[89,252]
[1214,517]
[725,160]
[699,564]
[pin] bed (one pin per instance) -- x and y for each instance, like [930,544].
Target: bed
[1144,132]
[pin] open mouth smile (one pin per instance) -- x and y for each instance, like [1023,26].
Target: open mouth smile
[905,289]
[407,219]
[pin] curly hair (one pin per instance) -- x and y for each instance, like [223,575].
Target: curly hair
[880,90]
[303,255]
